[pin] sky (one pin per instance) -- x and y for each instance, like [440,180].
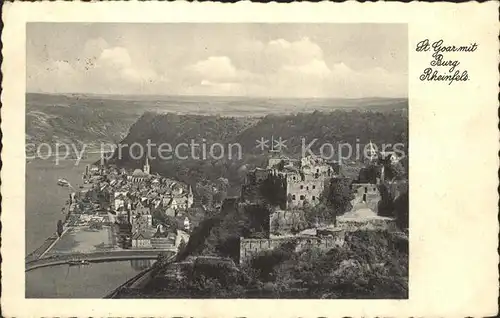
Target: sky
[256,60]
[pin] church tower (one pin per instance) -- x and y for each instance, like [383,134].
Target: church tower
[190,198]
[147,168]
[371,152]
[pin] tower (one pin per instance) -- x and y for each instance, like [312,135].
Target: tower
[147,168]
[371,152]
[190,198]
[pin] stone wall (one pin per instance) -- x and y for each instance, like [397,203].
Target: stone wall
[282,221]
[251,247]
[162,242]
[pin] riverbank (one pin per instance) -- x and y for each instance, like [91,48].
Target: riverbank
[45,201]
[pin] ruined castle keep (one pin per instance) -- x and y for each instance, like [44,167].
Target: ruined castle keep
[303,181]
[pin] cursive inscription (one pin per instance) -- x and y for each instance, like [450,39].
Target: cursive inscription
[442,68]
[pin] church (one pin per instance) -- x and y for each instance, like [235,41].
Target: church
[139,176]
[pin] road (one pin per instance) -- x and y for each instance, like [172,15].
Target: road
[140,279]
[95,257]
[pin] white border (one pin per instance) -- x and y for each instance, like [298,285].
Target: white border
[453,160]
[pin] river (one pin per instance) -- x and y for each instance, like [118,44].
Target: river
[44,200]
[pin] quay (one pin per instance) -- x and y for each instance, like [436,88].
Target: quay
[40,251]
[44,248]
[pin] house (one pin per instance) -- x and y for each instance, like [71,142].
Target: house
[141,239]
[141,209]
[119,200]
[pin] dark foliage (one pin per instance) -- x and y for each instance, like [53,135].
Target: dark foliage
[273,190]
[60,228]
[339,195]
[370,264]
[386,203]
[401,211]
[369,174]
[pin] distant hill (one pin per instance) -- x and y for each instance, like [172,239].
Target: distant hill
[51,119]
[334,127]
[107,118]
[354,127]
[340,126]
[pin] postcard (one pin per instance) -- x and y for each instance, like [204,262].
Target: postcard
[249,160]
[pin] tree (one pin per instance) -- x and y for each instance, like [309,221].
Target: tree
[60,228]
[394,171]
[386,203]
[369,174]
[182,245]
[339,195]
[273,191]
[163,258]
[401,208]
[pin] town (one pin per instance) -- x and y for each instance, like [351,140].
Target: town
[310,202]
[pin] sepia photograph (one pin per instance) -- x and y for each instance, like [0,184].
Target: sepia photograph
[211,160]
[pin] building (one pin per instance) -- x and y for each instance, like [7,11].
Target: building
[178,199]
[120,199]
[138,176]
[141,239]
[366,196]
[302,180]
[371,152]
[305,184]
[147,168]
[303,189]
[141,219]
[141,209]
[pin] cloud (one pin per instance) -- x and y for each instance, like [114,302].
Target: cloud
[293,53]
[117,60]
[116,57]
[314,68]
[99,69]
[216,68]
[278,67]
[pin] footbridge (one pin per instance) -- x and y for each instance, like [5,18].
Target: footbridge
[96,257]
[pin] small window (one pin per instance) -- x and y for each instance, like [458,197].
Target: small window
[366,189]
[294,178]
[314,187]
[313,198]
[301,187]
[302,197]
[317,170]
[293,197]
[307,188]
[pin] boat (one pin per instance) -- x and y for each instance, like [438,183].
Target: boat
[78,262]
[62,182]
